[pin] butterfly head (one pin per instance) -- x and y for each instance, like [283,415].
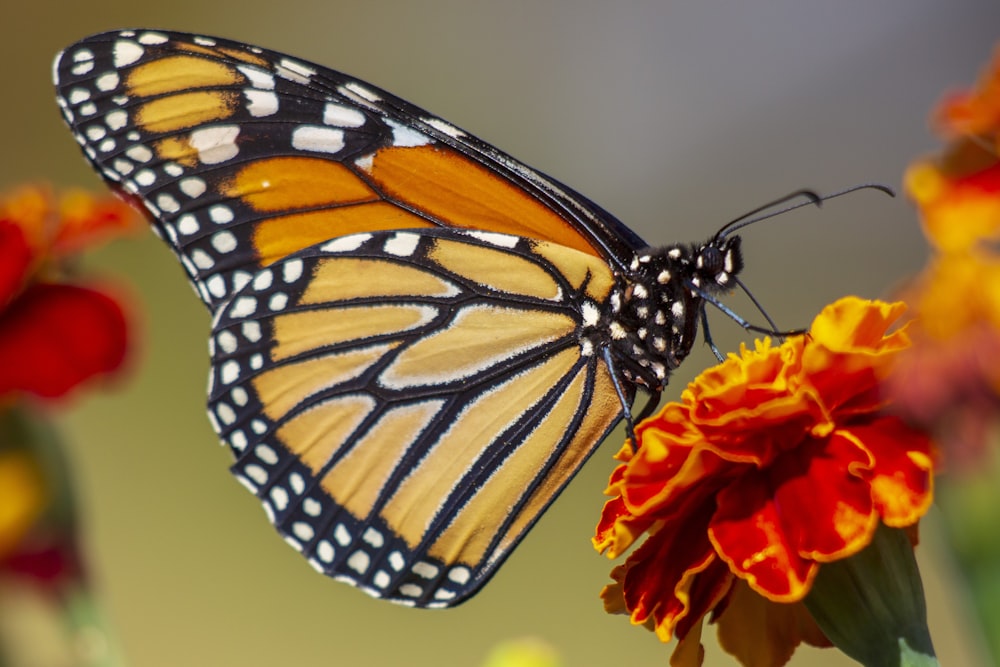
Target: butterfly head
[716,263]
[659,302]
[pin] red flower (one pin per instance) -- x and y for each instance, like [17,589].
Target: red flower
[774,462]
[54,335]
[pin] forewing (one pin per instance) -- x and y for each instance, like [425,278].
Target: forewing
[245,156]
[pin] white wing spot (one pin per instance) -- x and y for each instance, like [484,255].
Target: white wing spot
[225,413]
[202,259]
[215,144]
[258,78]
[239,396]
[292,270]
[325,551]
[266,454]
[152,38]
[345,243]
[402,244]
[230,372]
[216,286]
[426,570]
[243,306]
[83,55]
[263,280]
[295,71]
[220,214]
[238,440]
[279,497]
[381,579]
[362,92]
[224,241]
[446,128]
[396,561]
[251,330]
[278,301]
[116,119]
[359,562]
[342,535]
[126,52]
[493,238]
[341,116]
[256,473]
[96,132]
[411,590]
[459,574]
[303,531]
[167,203]
[140,153]
[145,178]
[78,95]
[187,224]
[193,187]
[406,137]
[312,507]
[298,484]
[373,537]
[318,139]
[261,103]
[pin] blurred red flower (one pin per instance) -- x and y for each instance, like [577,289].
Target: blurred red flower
[54,334]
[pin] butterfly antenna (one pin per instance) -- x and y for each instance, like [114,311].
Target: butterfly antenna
[813,199]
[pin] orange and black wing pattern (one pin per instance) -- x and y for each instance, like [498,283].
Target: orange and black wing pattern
[244,156]
[403,349]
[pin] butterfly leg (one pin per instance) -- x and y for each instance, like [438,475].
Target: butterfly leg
[626,408]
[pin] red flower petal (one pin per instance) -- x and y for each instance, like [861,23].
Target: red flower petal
[748,532]
[53,337]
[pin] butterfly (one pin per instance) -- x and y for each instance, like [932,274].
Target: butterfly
[416,339]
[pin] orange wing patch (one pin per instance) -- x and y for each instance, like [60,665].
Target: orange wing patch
[450,187]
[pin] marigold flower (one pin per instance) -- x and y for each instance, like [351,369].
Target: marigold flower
[958,192]
[775,461]
[950,381]
[55,335]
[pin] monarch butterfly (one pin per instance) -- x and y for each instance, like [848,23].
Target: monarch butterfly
[416,339]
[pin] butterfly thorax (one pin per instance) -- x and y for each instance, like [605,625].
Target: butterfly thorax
[654,311]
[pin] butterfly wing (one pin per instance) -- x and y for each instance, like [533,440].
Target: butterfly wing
[406,404]
[404,439]
[244,156]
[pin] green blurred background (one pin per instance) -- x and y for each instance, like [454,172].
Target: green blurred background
[677,116]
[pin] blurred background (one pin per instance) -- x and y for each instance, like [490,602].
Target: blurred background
[676,116]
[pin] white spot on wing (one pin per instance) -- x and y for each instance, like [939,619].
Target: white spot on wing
[261,103]
[126,52]
[402,244]
[107,81]
[345,243]
[258,78]
[493,238]
[446,128]
[215,144]
[406,137]
[318,139]
[341,116]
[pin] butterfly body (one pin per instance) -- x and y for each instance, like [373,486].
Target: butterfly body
[416,340]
